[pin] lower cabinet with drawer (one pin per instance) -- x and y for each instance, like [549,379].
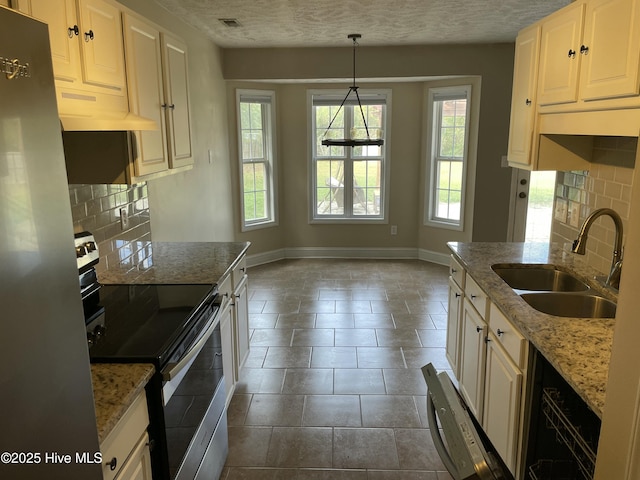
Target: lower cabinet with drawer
[125,451]
[492,373]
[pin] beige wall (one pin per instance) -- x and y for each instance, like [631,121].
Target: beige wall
[493,63]
[195,205]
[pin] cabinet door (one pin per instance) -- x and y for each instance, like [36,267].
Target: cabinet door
[503,387]
[146,93]
[453,326]
[138,465]
[560,57]
[472,358]
[523,98]
[228,360]
[241,312]
[174,58]
[61,17]
[101,44]
[612,35]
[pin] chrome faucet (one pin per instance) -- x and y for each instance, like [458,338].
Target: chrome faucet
[579,244]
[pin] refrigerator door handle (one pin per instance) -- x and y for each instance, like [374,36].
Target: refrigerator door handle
[438,441]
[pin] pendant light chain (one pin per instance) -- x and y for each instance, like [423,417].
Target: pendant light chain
[352,88]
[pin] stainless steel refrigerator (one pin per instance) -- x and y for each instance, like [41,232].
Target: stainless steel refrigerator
[46,399]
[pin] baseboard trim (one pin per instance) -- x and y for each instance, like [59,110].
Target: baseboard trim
[332,252]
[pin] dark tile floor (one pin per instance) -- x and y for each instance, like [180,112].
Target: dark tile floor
[332,387]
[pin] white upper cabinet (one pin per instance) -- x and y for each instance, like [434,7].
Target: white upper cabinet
[559,55]
[176,82]
[86,40]
[146,93]
[101,44]
[523,98]
[611,49]
[63,33]
[589,51]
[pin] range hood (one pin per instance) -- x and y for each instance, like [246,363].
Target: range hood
[105,121]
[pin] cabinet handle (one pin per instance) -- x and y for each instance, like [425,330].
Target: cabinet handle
[88,35]
[73,30]
[527,102]
[571,54]
[473,297]
[478,329]
[457,295]
[453,270]
[112,464]
[487,339]
[499,332]
[584,50]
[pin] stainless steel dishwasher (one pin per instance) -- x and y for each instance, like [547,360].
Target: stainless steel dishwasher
[465,450]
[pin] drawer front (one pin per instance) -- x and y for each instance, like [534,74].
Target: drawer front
[224,289]
[123,438]
[476,296]
[509,337]
[456,272]
[238,272]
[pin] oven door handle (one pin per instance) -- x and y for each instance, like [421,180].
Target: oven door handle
[173,369]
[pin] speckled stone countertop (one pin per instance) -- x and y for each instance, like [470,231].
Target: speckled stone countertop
[578,348]
[178,263]
[115,387]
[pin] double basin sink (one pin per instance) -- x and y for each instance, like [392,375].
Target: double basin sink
[555,292]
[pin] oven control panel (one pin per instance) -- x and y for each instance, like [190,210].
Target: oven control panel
[86,250]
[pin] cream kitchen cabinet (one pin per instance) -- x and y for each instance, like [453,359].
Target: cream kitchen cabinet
[158,89]
[590,50]
[240,303]
[472,358]
[454,315]
[146,93]
[176,105]
[125,451]
[521,152]
[87,52]
[492,367]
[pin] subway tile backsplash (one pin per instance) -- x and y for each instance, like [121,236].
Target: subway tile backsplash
[578,193]
[97,209]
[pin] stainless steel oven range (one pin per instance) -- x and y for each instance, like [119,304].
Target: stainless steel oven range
[177,329]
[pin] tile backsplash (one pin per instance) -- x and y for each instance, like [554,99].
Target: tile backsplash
[606,185]
[98,209]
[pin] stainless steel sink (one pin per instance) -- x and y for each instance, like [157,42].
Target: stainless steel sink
[539,278]
[571,304]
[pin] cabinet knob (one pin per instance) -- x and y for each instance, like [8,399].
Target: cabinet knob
[113,463]
[71,31]
[499,332]
[478,329]
[571,54]
[584,50]
[457,294]
[88,35]
[473,297]
[527,102]
[522,195]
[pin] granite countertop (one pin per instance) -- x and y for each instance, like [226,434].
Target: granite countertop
[178,263]
[578,348]
[115,387]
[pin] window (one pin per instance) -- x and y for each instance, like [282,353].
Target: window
[449,113]
[348,183]
[256,120]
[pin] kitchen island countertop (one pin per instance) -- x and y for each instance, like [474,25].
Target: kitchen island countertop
[578,348]
[115,387]
[177,263]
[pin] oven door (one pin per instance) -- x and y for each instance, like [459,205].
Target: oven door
[194,406]
[467,453]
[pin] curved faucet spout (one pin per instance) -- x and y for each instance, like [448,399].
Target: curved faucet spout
[580,244]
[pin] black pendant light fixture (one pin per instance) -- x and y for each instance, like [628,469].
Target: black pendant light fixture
[352,142]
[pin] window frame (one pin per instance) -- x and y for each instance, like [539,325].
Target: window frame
[432,159]
[367,96]
[265,97]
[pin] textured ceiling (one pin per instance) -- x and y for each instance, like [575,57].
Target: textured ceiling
[321,23]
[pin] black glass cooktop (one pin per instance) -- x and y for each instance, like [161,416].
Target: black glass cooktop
[147,323]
